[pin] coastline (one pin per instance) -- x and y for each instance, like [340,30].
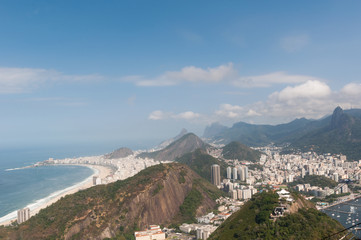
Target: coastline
[98,170]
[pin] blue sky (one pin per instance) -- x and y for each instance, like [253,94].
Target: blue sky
[112,72]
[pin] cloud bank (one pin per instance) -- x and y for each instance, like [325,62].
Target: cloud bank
[221,74]
[312,99]
[19,80]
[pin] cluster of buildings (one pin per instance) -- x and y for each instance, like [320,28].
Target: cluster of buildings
[152,233]
[122,168]
[208,223]
[322,192]
[278,169]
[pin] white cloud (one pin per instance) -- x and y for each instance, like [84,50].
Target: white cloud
[187,115]
[310,89]
[312,99]
[188,74]
[352,89]
[252,113]
[230,111]
[224,73]
[161,115]
[158,115]
[294,43]
[19,80]
[270,79]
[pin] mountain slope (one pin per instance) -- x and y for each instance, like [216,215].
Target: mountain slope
[252,221]
[119,153]
[169,141]
[186,144]
[236,150]
[200,162]
[161,194]
[259,135]
[342,135]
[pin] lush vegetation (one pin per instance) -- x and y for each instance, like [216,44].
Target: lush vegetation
[322,136]
[119,206]
[200,162]
[236,150]
[342,134]
[315,180]
[190,205]
[252,222]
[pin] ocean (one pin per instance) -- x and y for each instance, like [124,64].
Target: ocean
[347,214]
[33,186]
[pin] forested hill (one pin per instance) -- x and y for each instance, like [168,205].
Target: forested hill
[339,133]
[252,222]
[161,194]
[237,150]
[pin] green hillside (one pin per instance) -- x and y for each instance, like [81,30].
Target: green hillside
[236,150]
[201,162]
[315,180]
[252,222]
[341,135]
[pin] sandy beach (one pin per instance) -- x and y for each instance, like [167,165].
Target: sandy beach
[99,171]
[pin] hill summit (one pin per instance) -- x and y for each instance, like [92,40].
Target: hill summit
[186,144]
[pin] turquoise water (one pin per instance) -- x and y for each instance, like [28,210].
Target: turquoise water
[23,187]
[19,188]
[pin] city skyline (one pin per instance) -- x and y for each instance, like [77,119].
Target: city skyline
[138,71]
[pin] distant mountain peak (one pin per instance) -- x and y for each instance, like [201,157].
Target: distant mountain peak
[187,143]
[336,117]
[169,141]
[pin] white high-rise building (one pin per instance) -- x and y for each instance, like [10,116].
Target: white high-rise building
[240,172]
[229,172]
[303,172]
[246,193]
[245,173]
[23,215]
[235,173]
[335,177]
[216,175]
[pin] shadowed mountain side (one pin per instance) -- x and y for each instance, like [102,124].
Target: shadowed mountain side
[259,135]
[342,135]
[337,133]
[162,194]
[236,150]
[201,163]
[169,141]
[119,153]
[186,144]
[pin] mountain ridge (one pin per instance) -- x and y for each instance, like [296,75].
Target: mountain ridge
[186,144]
[303,134]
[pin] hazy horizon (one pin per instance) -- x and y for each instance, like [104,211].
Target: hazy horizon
[90,72]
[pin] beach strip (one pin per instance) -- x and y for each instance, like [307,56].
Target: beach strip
[100,171]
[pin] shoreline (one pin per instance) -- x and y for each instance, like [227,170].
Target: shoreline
[98,170]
